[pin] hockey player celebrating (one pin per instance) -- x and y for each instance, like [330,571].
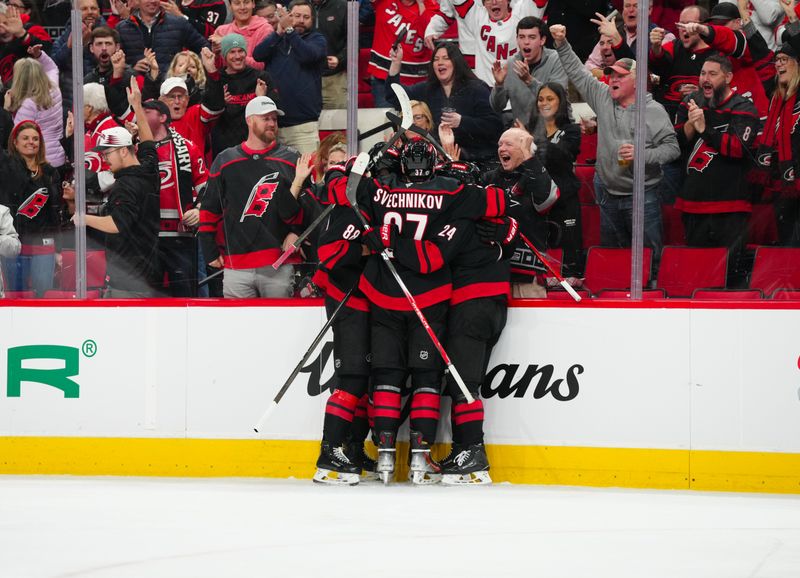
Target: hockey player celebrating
[341,261]
[415,215]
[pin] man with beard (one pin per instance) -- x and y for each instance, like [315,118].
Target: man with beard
[249,195]
[295,56]
[718,126]
[531,194]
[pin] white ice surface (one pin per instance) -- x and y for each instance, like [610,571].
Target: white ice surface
[154,527]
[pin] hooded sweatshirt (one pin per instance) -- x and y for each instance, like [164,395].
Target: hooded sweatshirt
[522,96]
[616,123]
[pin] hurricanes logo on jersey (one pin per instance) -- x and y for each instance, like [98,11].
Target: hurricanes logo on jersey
[260,196]
[701,157]
[33,204]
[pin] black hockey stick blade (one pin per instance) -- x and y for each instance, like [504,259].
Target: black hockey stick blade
[401,37]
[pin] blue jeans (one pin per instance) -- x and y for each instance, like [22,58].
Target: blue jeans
[672,181]
[379,93]
[30,272]
[616,213]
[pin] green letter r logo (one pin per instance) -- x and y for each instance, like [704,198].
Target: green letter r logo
[58,377]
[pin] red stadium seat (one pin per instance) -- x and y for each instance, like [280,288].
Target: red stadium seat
[20,294]
[776,268]
[561,295]
[588,149]
[366,100]
[761,226]
[684,269]
[727,294]
[610,268]
[590,224]
[585,174]
[625,294]
[786,295]
[95,269]
[674,233]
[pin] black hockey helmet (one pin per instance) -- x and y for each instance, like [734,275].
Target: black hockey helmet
[463,171]
[417,160]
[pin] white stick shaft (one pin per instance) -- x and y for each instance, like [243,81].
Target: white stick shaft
[460,382]
[273,405]
[570,290]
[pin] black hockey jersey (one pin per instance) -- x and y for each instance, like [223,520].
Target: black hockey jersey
[478,269]
[718,159]
[425,215]
[248,195]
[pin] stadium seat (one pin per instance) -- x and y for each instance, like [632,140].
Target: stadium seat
[95,270]
[674,233]
[585,174]
[625,294]
[555,257]
[610,268]
[561,295]
[684,269]
[761,226]
[20,294]
[590,225]
[727,294]
[588,149]
[776,268]
[786,295]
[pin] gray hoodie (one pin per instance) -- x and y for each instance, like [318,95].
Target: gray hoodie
[522,96]
[616,123]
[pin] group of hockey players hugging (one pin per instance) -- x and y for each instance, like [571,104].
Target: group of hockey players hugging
[450,231]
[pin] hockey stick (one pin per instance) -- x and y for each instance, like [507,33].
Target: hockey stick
[403,124]
[547,264]
[359,168]
[424,134]
[274,403]
[210,278]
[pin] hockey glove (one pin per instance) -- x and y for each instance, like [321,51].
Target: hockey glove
[503,230]
[383,238]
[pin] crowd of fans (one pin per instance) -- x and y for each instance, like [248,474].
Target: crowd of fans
[720,135]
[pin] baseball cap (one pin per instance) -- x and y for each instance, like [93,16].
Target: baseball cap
[162,108]
[173,82]
[621,66]
[231,41]
[724,12]
[113,138]
[261,105]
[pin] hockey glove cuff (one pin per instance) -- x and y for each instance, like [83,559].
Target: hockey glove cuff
[503,230]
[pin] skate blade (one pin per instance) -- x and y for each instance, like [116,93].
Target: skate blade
[367,476]
[419,478]
[385,477]
[472,479]
[333,478]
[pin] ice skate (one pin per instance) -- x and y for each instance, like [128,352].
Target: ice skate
[358,455]
[466,465]
[334,467]
[386,456]
[422,469]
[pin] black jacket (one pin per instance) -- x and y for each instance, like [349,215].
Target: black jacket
[331,21]
[231,128]
[168,36]
[133,203]
[480,127]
